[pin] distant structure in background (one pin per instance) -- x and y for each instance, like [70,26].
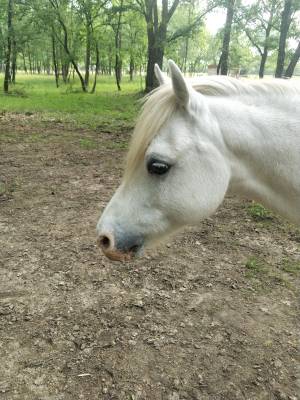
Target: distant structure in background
[212,69]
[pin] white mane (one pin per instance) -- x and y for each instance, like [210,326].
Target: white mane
[160,104]
[225,86]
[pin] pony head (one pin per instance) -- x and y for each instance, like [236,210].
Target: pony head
[176,173]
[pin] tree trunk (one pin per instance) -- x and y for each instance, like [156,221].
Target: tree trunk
[264,54]
[9,43]
[97,67]
[65,70]
[131,68]
[56,73]
[284,28]
[186,51]
[151,60]
[14,61]
[295,58]
[223,63]
[110,65]
[24,62]
[87,55]
[186,45]
[156,49]
[29,60]
[118,71]
[263,63]
[157,36]
[118,59]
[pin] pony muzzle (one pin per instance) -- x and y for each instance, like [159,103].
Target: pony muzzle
[123,248]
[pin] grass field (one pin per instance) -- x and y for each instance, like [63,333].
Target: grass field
[107,108]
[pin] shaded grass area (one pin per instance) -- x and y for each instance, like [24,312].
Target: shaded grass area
[107,109]
[262,273]
[259,212]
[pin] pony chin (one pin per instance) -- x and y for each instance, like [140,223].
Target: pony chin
[161,240]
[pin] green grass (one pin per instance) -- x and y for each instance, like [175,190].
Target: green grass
[2,188]
[254,267]
[88,144]
[7,188]
[290,266]
[263,275]
[259,212]
[107,109]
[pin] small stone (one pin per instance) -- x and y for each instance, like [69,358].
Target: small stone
[265,310]
[278,363]
[138,304]
[176,383]
[218,338]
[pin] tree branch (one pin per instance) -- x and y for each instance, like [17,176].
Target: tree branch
[188,28]
[172,10]
[253,42]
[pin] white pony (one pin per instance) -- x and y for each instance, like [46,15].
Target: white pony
[194,143]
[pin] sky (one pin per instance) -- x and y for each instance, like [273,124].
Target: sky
[215,20]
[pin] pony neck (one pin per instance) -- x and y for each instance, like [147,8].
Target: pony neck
[263,152]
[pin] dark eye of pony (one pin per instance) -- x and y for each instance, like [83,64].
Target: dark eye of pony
[157,167]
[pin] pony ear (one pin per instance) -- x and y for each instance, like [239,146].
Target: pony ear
[159,75]
[180,87]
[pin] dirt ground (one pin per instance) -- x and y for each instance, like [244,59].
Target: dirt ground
[212,315]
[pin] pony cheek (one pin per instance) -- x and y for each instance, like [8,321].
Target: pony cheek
[193,203]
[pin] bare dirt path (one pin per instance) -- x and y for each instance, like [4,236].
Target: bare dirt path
[214,315]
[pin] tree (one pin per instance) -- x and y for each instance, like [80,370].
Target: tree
[90,11]
[7,75]
[157,21]
[156,34]
[223,62]
[289,10]
[258,22]
[115,18]
[291,67]
[193,50]
[286,19]
[65,42]
[54,58]
[134,41]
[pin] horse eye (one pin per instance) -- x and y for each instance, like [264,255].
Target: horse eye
[157,167]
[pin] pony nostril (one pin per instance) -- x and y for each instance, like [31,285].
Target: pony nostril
[104,242]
